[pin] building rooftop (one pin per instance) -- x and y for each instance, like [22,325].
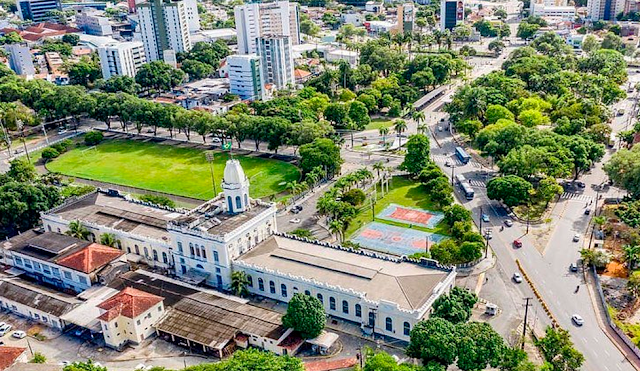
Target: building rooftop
[90,258]
[118,213]
[129,303]
[405,283]
[9,355]
[37,297]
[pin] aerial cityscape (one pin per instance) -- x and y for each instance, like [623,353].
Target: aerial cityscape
[426,185]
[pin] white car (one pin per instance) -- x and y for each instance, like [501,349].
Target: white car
[64,363]
[142,367]
[508,223]
[488,234]
[517,278]
[5,329]
[216,140]
[577,319]
[295,221]
[19,334]
[576,237]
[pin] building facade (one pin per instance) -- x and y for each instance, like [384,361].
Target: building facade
[37,10]
[121,58]
[93,24]
[276,61]
[257,19]
[21,60]
[605,10]
[245,76]
[451,14]
[163,27]
[193,18]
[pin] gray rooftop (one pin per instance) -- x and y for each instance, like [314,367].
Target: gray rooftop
[45,246]
[37,297]
[118,213]
[407,284]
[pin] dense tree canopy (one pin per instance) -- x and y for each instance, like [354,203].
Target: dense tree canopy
[306,315]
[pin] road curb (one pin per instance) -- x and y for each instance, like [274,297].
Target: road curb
[545,307]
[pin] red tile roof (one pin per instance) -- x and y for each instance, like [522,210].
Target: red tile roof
[328,365]
[129,302]
[91,258]
[301,74]
[9,355]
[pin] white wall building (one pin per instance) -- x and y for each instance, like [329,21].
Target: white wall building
[121,58]
[255,20]
[245,76]
[356,19]
[563,12]
[92,23]
[276,60]
[374,7]
[605,10]
[163,26]
[21,60]
[193,18]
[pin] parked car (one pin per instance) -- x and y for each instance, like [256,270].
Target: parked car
[577,319]
[485,218]
[64,363]
[447,164]
[517,278]
[4,330]
[488,234]
[576,237]
[79,332]
[216,140]
[508,222]
[587,211]
[295,221]
[517,243]
[573,267]
[61,131]
[19,334]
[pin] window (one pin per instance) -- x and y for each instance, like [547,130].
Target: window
[191,249]
[307,292]
[67,275]
[129,249]
[283,290]
[197,251]
[27,263]
[56,271]
[238,202]
[180,247]
[49,228]
[332,303]
[164,258]
[138,322]
[137,249]
[372,319]
[204,253]
[36,266]
[155,255]
[345,307]
[260,284]
[319,296]
[230,204]
[249,281]
[389,324]
[216,258]
[217,270]
[358,310]
[199,266]
[272,287]
[407,329]
[18,260]
[45,269]
[82,280]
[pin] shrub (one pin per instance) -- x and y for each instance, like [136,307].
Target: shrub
[354,196]
[62,146]
[49,153]
[92,138]
[158,200]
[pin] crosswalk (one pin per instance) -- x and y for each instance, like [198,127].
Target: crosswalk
[441,159]
[575,197]
[477,183]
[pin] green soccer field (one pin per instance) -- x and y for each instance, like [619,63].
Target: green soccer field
[168,169]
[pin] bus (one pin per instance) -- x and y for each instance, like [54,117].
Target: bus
[459,178]
[462,155]
[467,190]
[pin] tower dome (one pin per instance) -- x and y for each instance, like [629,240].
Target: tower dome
[236,187]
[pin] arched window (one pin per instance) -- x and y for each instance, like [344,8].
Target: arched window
[320,298]
[332,303]
[345,307]
[164,258]
[372,319]
[307,292]
[230,204]
[358,310]
[119,244]
[272,287]
[155,255]
[180,247]
[199,266]
[137,249]
[249,281]
[204,253]
[246,200]
[191,249]
[49,228]
[197,251]
[260,284]
[146,252]
[407,329]
[238,202]
[129,249]
[283,290]
[389,324]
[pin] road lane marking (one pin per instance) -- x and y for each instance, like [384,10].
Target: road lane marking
[596,339]
[607,353]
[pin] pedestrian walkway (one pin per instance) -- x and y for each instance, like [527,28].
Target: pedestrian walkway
[327,365]
[477,183]
[575,197]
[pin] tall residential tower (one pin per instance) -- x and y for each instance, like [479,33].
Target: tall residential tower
[164,28]
[256,20]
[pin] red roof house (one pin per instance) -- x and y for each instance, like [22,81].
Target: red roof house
[90,259]
[129,303]
[11,355]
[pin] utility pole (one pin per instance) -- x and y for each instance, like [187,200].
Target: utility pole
[24,143]
[524,327]
[453,170]
[480,219]
[209,156]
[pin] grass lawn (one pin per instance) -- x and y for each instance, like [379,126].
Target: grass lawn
[168,169]
[378,123]
[402,191]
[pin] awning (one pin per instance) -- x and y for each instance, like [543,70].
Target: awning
[324,340]
[13,271]
[195,276]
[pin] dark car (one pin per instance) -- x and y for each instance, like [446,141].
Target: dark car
[587,212]
[573,267]
[517,243]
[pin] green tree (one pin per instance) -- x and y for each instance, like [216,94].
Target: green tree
[527,30]
[84,366]
[456,213]
[633,285]
[109,239]
[456,306]
[479,346]
[121,83]
[77,230]
[307,27]
[249,359]
[630,254]
[382,361]
[22,171]
[239,282]
[624,169]
[590,43]
[496,112]
[38,358]
[354,196]
[399,126]
[22,202]
[434,340]
[306,315]
[49,153]
[93,138]
[557,348]
[359,114]
[85,72]
[159,76]
[417,156]
[510,189]
[547,189]
[196,70]
[323,153]
[71,39]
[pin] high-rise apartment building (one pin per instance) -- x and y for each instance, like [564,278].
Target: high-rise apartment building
[245,76]
[406,15]
[163,26]
[605,10]
[256,20]
[21,60]
[451,14]
[276,60]
[193,18]
[37,10]
[121,58]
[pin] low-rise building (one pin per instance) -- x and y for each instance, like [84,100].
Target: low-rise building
[21,60]
[356,19]
[245,76]
[562,12]
[335,55]
[92,22]
[10,356]
[375,7]
[129,317]
[121,58]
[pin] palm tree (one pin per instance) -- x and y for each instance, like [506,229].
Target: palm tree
[422,128]
[418,117]
[239,282]
[108,239]
[335,227]
[77,230]
[384,131]
[631,254]
[599,221]
[292,187]
[378,166]
[399,126]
